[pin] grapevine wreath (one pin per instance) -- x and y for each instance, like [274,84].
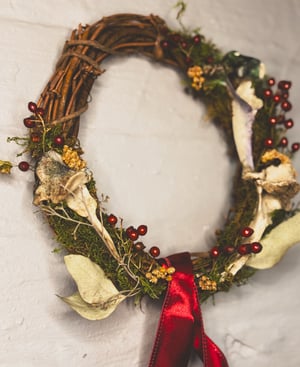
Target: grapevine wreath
[110,262]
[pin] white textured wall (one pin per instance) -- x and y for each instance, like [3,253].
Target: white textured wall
[161,163]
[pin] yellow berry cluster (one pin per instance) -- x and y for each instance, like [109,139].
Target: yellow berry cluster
[160,273]
[206,284]
[269,155]
[72,159]
[195,73]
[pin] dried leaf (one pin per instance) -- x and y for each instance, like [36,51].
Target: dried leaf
[94,287]
[280,181]
[266,205]
[57,180]
[276,244]
[90,311]
[85,205]
[244,107]
[82,202]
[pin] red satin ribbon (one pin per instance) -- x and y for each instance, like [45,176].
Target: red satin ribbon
[181,327]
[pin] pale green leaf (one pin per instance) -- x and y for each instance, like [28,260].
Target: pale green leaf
[93,311]
[94,287]
[276,243]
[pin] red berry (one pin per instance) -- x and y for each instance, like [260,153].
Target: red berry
[35,138]
[244,249]
[188,60]
[129,230]
[268,143]
[23,166]
[112,219]
[285,95]
[165,44]
[289,123]
[59,140]
[139,246]
[132,234]
[197,39]
[283,142]
[295,147]
[277,98]
[29,123]
[229,250]
[154,251]
[32,107]
[184,45]
[215,252]
[284,85]
[142,229]
[268,93]
[256,247]
[271,82]
[273,120]
[210,60]
[176,37]
[286,106]
[40,111]
[247,232]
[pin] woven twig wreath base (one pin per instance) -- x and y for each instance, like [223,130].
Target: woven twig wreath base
[211,78]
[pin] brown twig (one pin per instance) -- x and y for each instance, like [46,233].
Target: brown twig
[65,97]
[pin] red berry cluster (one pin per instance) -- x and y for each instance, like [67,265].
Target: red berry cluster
[38,113]
[279,99]
[248,248]
[134,233]
[176,41]
[37,117]
[242,249]
[35,137]
[30,123]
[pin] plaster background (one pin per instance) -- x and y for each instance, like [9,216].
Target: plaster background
[175,178]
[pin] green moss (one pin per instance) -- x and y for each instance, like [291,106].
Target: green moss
[82,239]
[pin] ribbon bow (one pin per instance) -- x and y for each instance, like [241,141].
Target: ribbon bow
[181,327]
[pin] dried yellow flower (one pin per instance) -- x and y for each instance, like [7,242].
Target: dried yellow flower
[160,273]
[71,158]
[269,155]
[207,284]
[195,73]
[148,275]
[153,280]
[5,167]
[171,270]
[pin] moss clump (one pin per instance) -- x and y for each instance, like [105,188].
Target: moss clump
[77,236]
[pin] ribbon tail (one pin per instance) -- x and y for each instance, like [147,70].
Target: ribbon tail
[181,327]
[207,350]
[174,338]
